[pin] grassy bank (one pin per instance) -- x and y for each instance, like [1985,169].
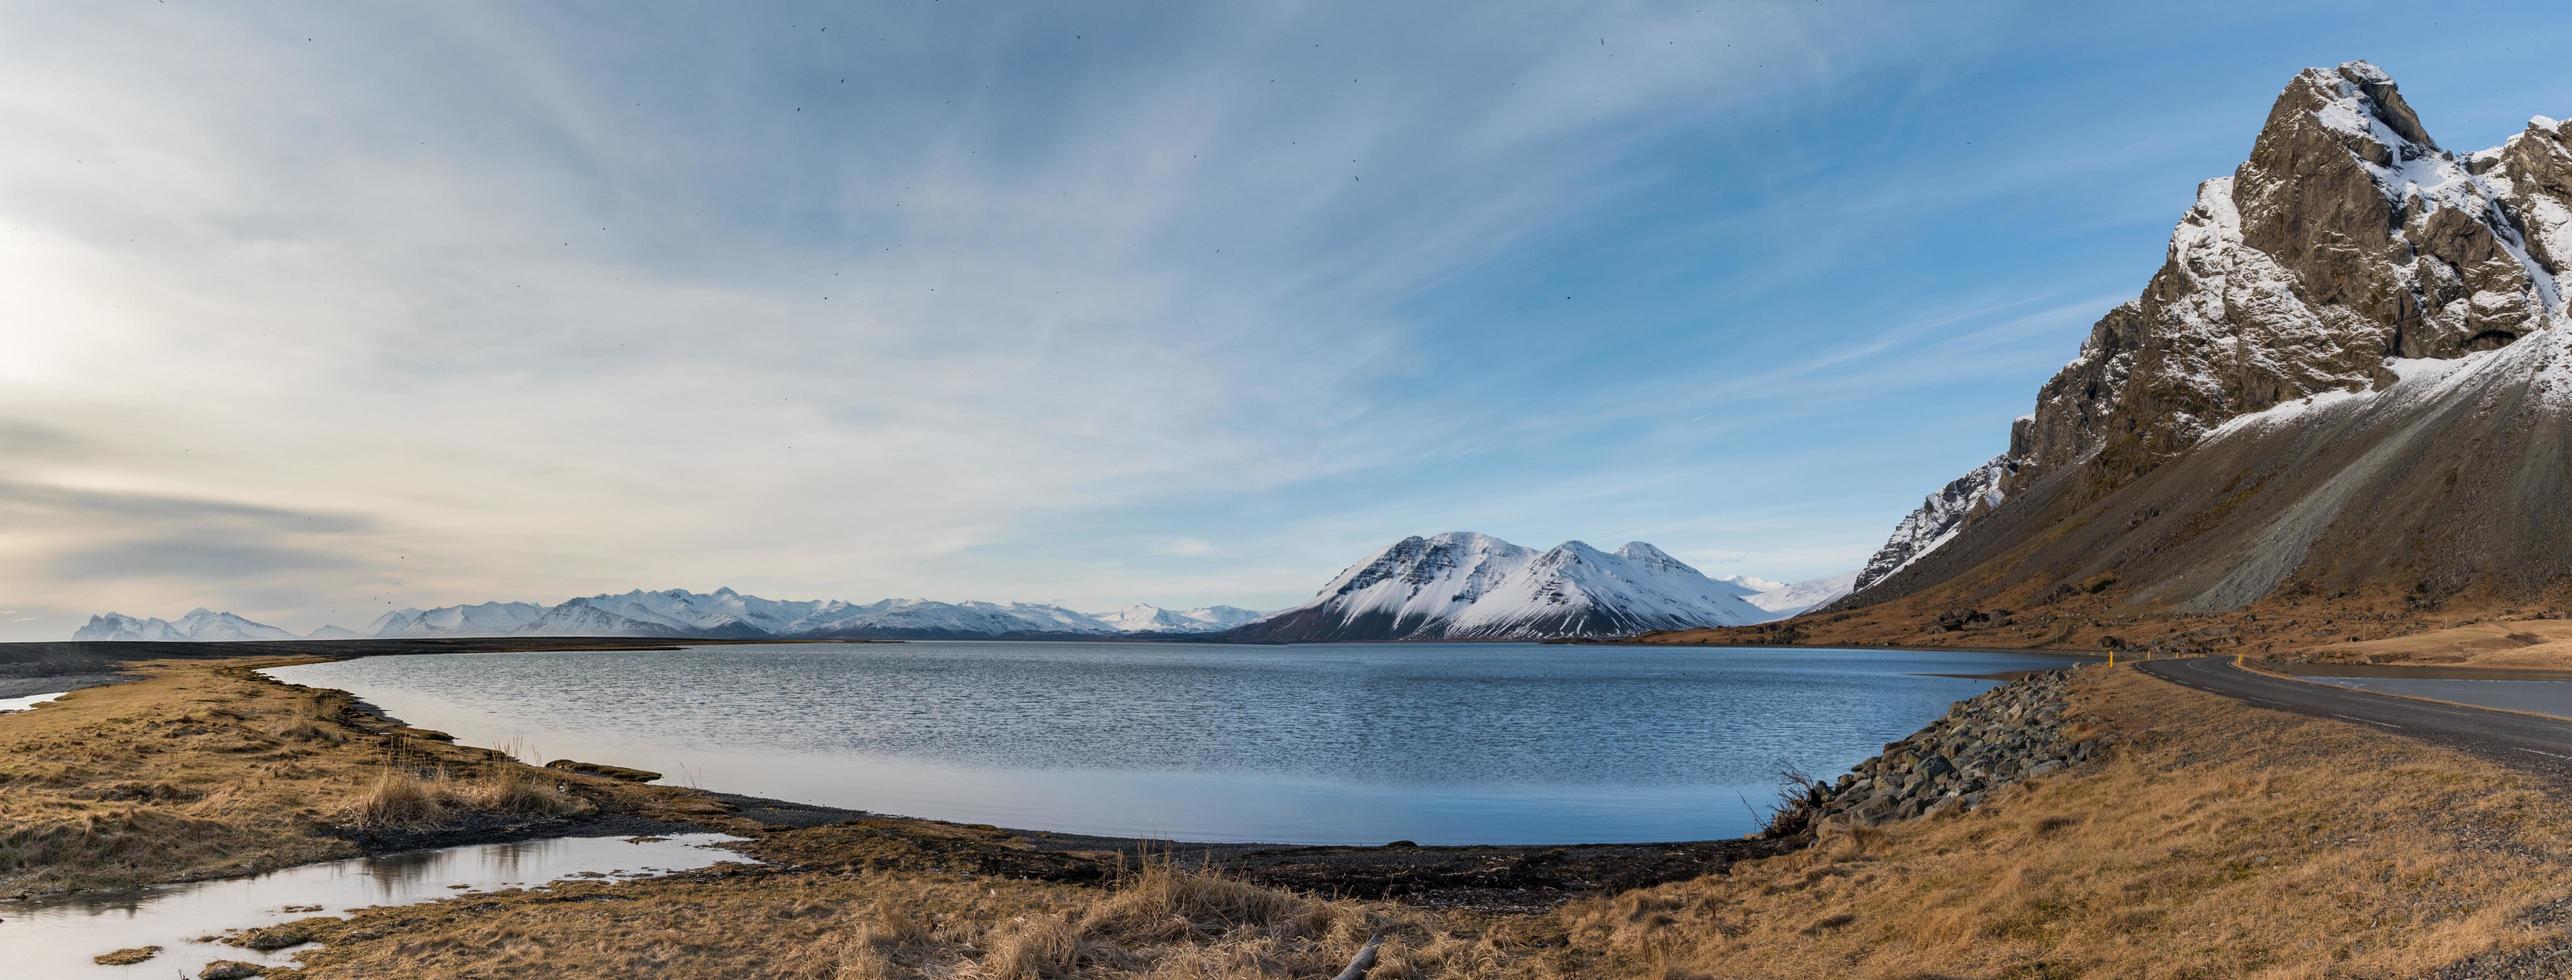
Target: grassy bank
[2544,644]
[2217,839]
[2389,630]
[205,769]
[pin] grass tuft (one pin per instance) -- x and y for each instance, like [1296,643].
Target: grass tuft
[400,801]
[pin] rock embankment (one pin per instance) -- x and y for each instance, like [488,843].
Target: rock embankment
[2009,734]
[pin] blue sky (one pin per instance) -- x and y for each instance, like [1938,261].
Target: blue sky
[319,310]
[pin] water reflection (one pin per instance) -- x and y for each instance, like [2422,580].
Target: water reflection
[57,937]
[30,701]
[1325,743]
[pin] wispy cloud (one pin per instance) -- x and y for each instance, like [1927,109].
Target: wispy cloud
[320,310]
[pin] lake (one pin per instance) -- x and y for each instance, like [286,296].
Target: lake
[1322,743]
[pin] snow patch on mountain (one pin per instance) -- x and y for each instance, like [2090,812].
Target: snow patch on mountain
[480,619]
[198,626]
[1144,618]
[1751,585]
[723,613]
[1937,519]
[1464,585]
[1788,599]
[2348,255]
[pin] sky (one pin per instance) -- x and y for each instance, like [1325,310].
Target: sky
[311,311]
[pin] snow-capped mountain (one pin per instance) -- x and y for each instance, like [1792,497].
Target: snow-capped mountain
[728,613]
[2347,378]
[198,626]
[481,619]
[1784,599]
[723,613]
[1141,618]
[1464,585]
[923,618]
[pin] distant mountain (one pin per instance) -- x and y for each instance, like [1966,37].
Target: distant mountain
[1154,619]
[728,613]
[484,619]
[198,626]
[1781,600]
[925,619]
[1464,585]
[722,613]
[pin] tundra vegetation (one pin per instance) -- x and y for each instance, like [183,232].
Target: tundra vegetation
[2202,837]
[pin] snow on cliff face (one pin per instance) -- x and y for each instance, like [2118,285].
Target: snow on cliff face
[1142,618]
[1473,586]
[1938,519]
[1420,581]
[198,626]
[2346,241]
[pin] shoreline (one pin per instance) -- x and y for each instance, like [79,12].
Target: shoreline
[1894,870]
[1762,797]
[1497,878]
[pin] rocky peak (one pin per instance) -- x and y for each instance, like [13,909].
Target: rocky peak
[1643,553]
[2347,238]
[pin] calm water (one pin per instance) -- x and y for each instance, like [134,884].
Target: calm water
[57,938]
[1364,743]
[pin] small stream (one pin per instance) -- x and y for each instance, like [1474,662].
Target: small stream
[58,937]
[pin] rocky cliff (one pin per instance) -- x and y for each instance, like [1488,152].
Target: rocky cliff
[2348,245]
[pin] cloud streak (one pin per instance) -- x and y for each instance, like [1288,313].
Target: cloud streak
[316,312]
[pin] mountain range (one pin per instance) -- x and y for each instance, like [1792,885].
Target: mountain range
[199,625]
[1462,586]
[1468,586]
[723,613]
[2349,382]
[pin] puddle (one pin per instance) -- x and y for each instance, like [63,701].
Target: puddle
[30,701]
[57,937]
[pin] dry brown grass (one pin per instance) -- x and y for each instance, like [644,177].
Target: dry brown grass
[525,792]
[399,801]
[2525,644]
[1161,921]
[2218,840]
[2290,625]
[203,769]
[126,957]
[2222,841]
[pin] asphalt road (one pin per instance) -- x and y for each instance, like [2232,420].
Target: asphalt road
[2526,742]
